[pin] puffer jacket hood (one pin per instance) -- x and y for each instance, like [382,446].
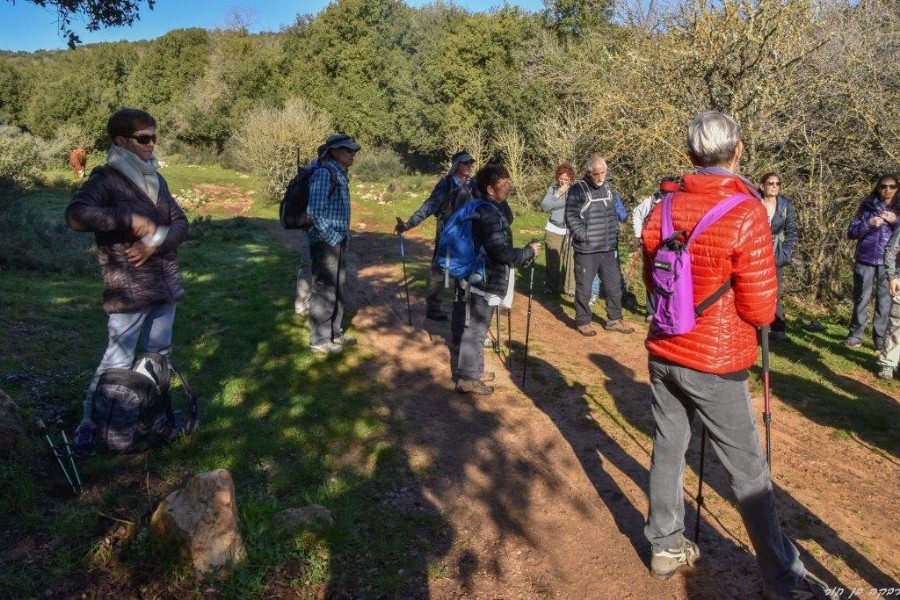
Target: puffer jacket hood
[104,205]
[738,247]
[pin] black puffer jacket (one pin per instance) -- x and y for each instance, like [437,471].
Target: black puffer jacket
[104,205]
[491,230]
[597,228]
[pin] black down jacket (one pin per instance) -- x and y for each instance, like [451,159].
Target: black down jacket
[104,205]
[491,230]
[596,228]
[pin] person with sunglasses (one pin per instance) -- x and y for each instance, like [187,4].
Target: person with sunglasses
[138,227]
[783,222]
[872,225]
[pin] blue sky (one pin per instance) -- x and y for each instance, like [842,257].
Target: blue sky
[28,27]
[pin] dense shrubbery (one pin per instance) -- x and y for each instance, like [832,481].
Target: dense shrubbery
[20,158]
[378,164]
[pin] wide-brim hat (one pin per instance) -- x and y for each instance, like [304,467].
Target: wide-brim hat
[339,140]
[460,157]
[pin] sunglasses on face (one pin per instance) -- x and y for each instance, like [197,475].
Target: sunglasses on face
[775,183]
[144,138]
[888,186]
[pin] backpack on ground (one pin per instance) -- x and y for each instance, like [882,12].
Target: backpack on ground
[132,408]
[456,252]
[673,284]
[292,212]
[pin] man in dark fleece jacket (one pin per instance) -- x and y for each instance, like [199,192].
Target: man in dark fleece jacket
[490,231]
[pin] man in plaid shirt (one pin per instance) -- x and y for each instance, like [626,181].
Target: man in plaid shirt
[329,207]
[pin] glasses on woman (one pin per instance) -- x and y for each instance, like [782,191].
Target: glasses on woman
[888,186]
[775,183]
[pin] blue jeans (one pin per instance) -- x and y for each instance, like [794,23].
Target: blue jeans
[723,404]
[153,326]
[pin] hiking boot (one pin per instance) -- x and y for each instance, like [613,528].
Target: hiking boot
[473,386]
[593,300]
[664,563]
[779,336]
[436,316]
[810,588]
[344,340]
[886,373]
[618,325]
[83,440]
[853,342]
[488,376]
[586,330]
[327,348]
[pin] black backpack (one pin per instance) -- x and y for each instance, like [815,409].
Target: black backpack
[292,212]
[132,407]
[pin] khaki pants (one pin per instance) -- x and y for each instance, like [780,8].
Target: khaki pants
[560,271]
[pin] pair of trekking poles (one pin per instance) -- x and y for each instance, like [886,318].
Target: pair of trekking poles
[530,298]
[61,454]
[767,421]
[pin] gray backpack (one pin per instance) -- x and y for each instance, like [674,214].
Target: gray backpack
[132,407]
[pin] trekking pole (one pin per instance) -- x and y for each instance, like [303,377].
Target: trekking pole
[700,488]
[405,280]
[509,337]
[528,322]
[767,408]
[56,453]
[68,447]
[497,341]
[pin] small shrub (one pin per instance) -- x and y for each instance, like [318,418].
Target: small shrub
[55,152]
[270,138]
[378,164]
[19,158]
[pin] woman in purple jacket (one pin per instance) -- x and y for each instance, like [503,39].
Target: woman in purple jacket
[874,223]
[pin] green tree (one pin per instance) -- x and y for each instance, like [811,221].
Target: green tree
[573,19]
[97,14]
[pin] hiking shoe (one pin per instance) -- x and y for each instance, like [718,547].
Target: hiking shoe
[779,336]
[327,348]
[853,342]
[664,563]
[488,342]
[810,588]
[83,440]
[436,317]
[886,373]
[344,340]
[473,386]
[618,325]
[586,330]
[488,376]
[593,300]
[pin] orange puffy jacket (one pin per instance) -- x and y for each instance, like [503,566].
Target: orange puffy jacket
[739,246]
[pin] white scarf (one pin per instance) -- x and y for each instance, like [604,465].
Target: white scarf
[141,173]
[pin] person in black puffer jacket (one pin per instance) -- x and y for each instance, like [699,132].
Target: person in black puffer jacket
[491,231]
[138,227]
[593,213]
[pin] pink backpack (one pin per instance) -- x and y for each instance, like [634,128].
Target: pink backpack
[673,285]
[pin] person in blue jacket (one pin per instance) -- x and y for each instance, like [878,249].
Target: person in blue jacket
[783,222]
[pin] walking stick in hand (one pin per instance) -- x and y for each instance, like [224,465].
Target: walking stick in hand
[401,224]
[528,322]
[700,487]
[767,407]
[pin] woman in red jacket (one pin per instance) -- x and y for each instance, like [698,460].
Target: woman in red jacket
[704,372]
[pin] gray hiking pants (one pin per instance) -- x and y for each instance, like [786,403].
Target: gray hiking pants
[865,277]
[723,404]
[607,266]
[890,356]
[471,347]
[326,303]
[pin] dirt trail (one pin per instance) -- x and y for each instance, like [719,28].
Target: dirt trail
[544,487]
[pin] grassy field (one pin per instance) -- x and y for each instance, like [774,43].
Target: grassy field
[293,429]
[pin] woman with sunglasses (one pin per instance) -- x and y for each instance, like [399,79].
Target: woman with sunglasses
[874,223]
[783,222]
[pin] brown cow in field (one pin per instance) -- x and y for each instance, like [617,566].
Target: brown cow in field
[78,162]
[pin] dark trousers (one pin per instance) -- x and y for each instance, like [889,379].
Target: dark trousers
[607,266]
[471,347]
[865,277]
[326,303]
[779,324]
